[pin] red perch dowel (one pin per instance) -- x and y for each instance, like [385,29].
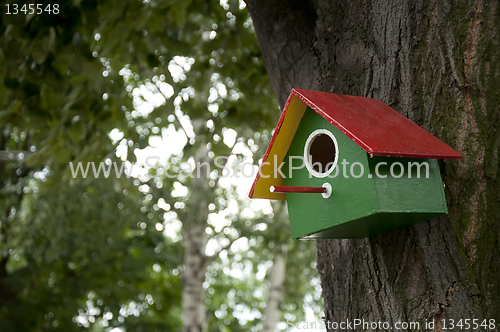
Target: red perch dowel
[291,189]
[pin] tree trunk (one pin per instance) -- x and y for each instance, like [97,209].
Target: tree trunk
[193,294]
[276,283]
[196,262]
[438,63]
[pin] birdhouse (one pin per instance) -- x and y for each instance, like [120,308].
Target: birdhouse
[351,167]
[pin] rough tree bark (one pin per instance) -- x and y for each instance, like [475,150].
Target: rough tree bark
[438,63]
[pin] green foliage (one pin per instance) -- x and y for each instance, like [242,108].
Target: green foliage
[82,243]
[85,253]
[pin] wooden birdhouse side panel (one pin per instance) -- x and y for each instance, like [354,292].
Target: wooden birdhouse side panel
[352,198]
[415,185]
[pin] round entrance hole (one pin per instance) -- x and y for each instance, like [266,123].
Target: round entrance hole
[321,153]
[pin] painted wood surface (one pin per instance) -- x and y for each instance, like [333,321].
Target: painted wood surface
[370,123]
[364,203]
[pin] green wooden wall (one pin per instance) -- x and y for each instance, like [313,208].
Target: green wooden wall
[359,206]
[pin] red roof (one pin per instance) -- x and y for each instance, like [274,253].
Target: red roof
[376,127]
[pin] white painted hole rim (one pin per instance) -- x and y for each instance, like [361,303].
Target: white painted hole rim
[307,146]
[328,191]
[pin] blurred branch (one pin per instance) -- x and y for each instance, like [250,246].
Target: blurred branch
[176,116]
[210,259]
